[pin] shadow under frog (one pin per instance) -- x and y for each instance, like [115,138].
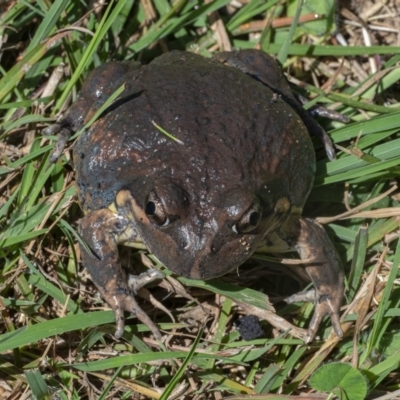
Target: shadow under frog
[236,181]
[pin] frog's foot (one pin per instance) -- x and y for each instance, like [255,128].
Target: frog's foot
[103,230]
[122,303]
[63,135]
[66,125]
[64,128]
[315,129]
[326,273]
[320,111]
[127,302]
[325,305]
[323,266]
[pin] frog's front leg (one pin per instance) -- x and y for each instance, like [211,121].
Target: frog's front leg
[324,268]
[103,230]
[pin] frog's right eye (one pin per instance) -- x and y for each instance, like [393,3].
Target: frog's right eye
[155,210]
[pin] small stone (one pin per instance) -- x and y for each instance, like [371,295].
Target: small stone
[249,327]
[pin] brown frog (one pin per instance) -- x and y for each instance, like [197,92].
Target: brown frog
[232,176]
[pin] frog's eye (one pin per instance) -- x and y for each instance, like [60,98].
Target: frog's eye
[249,221]
[155,210]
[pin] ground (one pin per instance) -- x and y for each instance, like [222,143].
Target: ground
[56,333]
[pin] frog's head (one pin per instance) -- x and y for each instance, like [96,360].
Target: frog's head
[202,238]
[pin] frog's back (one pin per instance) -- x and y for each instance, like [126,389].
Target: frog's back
[233,131]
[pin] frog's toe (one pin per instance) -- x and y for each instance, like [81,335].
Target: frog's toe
[136,282]
[330,114]
[120,322]
[52,129]
[308,296]
[324,307]
[59,147]
[64,133]
[320,111]
[128,303]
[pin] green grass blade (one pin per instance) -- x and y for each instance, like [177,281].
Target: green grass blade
[34,333]
[360,251]
[38,385]
[182,369]
[17,72]
[87,57]
[284,50]
[334,51]
[378,327]
[236,293]
[49,23]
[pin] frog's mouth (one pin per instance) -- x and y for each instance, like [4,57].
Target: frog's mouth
[208,265]
[205,262]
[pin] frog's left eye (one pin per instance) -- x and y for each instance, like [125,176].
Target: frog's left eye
[155,210]
[249,221]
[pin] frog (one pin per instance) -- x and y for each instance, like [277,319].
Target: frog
[202,161]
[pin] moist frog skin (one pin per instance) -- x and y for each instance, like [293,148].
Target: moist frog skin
[235,180]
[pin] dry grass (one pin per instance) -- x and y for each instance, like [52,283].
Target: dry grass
[57,338]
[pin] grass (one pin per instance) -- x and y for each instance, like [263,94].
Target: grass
[56,334]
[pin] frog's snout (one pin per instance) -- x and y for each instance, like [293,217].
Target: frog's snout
[212,259]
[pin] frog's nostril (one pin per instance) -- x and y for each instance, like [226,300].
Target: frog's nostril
[184,244]
[202,121]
